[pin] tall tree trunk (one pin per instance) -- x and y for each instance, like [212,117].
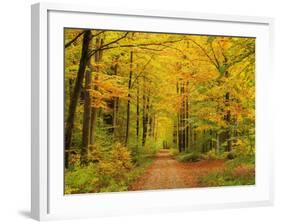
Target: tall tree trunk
[228,118]
[175,133]
[203,142]
[156,129]
[115,106]
[182,116]
[129,100]
[179,120]
[195,139]
[95,69]
[86,120]
[182,128]
[138,113]
[75,95]
[110,117]
[186,117]
[218,143]
[211,140]
[178,131]
[190,138]
[144,113]
[153,126]
[150,120]
[147,114]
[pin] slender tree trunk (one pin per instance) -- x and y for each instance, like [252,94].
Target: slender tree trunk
[86,120]
[156,129]
[189,146]
[228,119]
[183,117]
[147,115]
[211,140]
[75,95]
[180,121]
[182,128]
[150,120]
[187,116]
[179,131]
[115,106]
[175,133]
[218,143]
[195,139]
[153,126]
[144,113]
[143,118]
[138,113]
[203,142]
[116,109]
[129,100]
[96,69]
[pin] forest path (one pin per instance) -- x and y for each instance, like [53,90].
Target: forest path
[167,173]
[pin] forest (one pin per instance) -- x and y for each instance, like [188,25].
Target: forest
[149,111]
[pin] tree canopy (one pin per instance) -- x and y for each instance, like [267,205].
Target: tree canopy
[134,91]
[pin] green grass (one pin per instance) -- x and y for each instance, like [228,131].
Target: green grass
[189,157]
[197,156]
[238,171]
[101,178]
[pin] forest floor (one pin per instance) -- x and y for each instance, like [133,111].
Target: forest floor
[166,173]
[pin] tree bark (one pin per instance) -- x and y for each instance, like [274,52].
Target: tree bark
[179,121]
[218,143]
[138,113]
[115,106]
[86,120]
[129,100]
[182,118]
[75,95]
[228,119]
[186,117]
[144,114]
[96,69]
[150,120]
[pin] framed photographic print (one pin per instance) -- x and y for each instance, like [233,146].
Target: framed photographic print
[148,111]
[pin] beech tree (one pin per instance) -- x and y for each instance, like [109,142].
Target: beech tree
[189,92]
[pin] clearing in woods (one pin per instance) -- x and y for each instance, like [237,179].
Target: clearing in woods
[167,173]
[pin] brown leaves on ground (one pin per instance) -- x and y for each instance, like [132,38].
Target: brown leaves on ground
[244,171]
[167,173]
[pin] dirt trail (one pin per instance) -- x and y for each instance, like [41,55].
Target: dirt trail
[166,173]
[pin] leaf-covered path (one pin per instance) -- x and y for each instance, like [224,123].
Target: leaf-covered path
[166,173]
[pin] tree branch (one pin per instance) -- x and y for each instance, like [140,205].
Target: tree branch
[240,58]
[105,45]
[205,52]
[143,69]
[74,39]
[216,59]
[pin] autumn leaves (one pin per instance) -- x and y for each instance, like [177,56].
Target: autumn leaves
[194,92]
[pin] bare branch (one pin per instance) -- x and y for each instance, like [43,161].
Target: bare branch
[107,47]
[104,47]
[143,69]
[216,59]
[74,39]
[205,52]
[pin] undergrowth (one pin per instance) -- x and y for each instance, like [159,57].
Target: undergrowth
[108,172]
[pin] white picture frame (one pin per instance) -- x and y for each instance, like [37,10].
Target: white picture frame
[48,201]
